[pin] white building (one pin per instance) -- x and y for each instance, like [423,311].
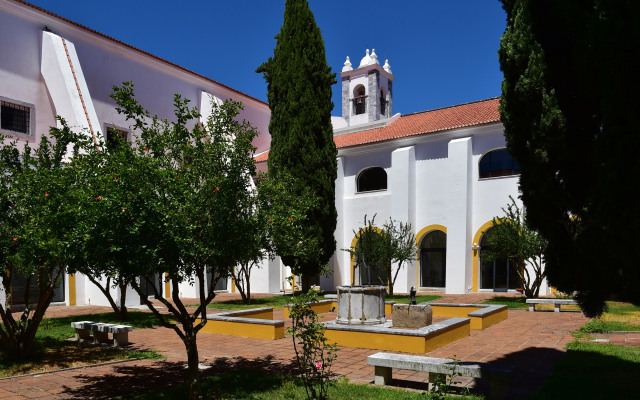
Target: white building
[445,171]
[52,66]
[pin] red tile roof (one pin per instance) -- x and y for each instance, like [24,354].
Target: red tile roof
[423,123]
[133,48]
[427,122]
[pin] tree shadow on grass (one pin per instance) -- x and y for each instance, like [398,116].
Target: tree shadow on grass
[165,379]
[531,366]
[584,371]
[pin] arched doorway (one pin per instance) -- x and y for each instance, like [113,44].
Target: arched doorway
[433,260]
[496,275]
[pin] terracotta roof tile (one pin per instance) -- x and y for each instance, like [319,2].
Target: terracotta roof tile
[261,157]
[427,122]
[422,123]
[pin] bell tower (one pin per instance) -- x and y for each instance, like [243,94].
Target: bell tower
[367,91]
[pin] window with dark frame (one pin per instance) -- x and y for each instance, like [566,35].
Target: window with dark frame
[498,163]
[15,117]
[115,136]
[374,178]
[383,103]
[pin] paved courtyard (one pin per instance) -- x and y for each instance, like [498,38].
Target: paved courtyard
[530,342]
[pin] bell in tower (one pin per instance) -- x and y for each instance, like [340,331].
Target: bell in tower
[367,90]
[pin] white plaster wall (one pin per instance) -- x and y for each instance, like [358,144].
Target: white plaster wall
[3,296]
[104,64]
[92,294]
[261,278]
[20,42]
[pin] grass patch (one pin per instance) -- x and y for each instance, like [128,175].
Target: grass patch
[594,371]
[619,317]
[511,302]
[275,302]
[265,385]
[404,299]
[51,350]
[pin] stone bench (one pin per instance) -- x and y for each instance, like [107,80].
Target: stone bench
[101,332]
[556,303]
[385,362]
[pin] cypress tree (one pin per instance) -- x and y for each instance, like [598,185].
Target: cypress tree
[303,152]
[569,101]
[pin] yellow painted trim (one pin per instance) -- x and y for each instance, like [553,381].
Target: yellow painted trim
[475,258]
[259,314]
[167,286]
[318,308]
[423,232]
[444,337]
[243,329]
[479,323]
[351,258]
[391,342]
[453,312]
[72,289]
[388,308]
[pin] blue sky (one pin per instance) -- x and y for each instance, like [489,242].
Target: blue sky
[442,52]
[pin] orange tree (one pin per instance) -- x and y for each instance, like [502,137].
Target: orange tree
[187,185]
[39,232]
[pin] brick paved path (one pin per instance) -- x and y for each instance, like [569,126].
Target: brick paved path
[531,342]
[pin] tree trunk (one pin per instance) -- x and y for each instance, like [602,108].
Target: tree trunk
[122,311]
[193,371]
[306,283]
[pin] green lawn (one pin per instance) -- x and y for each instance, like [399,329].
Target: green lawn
[264,385]
[404,299]
[52,350]
[273,302]
[619,317]
[594,371]
[277,302]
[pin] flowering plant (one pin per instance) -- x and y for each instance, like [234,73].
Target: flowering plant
[314,355]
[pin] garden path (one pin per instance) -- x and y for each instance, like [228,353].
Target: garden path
[530,342]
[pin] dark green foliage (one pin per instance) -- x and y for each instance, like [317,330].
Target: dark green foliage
[189,188]
[39,229]
[568,106]
[302,148]
[513,240]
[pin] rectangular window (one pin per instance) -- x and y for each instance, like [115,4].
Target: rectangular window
[15,118]
[115,135]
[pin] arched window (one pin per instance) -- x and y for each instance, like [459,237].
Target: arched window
[497,275]
[498,163]
[360,100]
[433,260]
[374,178]
[383,103]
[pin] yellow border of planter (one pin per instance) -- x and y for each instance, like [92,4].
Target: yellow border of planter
[477,322]
[241,328]
[322,306]
[395,342]
[325,306]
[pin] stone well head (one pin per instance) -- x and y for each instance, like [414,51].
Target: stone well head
[361,305]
